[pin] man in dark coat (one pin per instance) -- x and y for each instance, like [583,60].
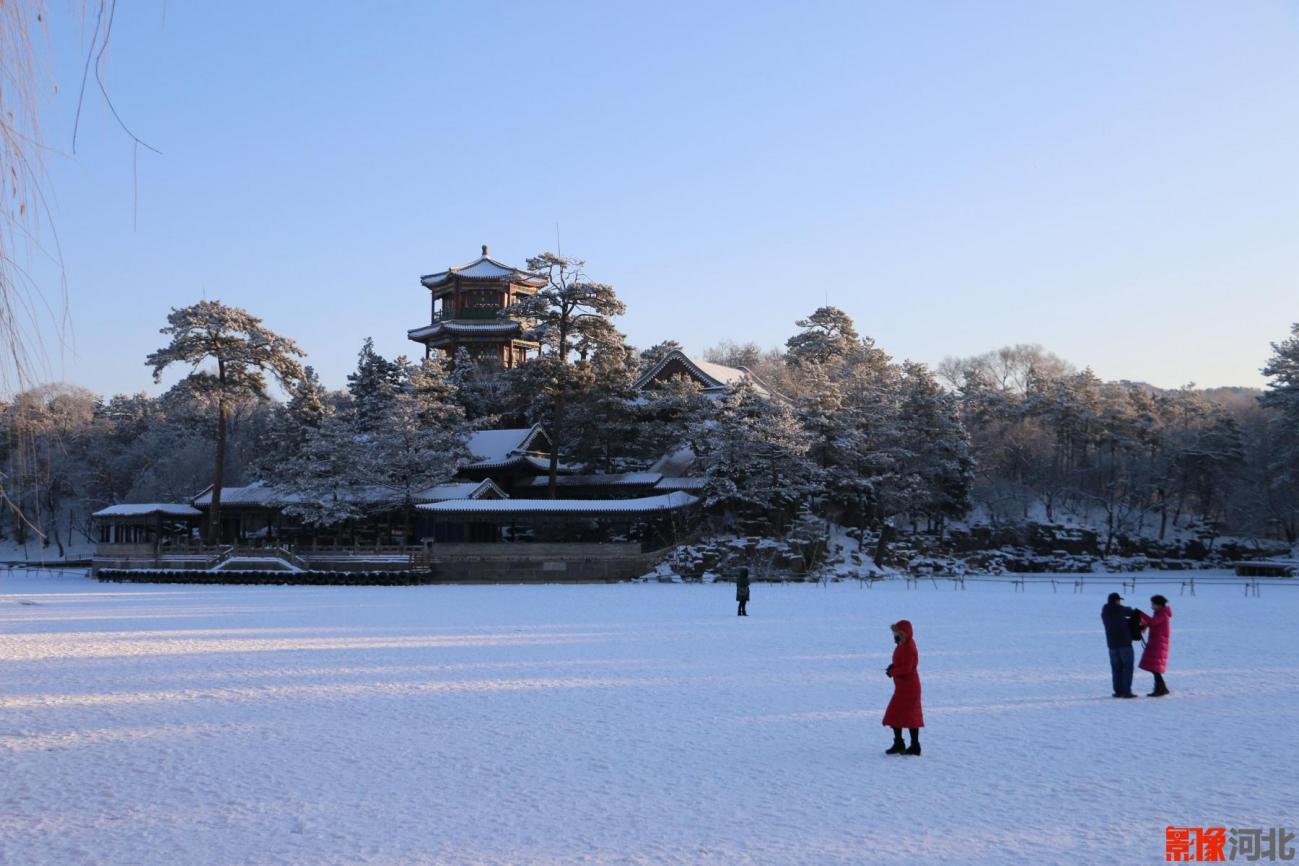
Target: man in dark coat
[742,590]
[1118,634]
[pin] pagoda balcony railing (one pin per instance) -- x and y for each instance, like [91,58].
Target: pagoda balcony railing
[489,313]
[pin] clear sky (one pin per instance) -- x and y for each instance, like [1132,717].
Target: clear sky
[1117,181]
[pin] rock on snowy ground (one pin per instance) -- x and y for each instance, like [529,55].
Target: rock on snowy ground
[633,723]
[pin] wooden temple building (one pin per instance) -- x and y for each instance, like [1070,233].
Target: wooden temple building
[714,380]
[467,305]
[493,520]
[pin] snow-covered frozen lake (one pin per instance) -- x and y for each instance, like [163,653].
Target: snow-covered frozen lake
[632,723]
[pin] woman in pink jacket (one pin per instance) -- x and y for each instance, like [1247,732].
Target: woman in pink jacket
[1155,658]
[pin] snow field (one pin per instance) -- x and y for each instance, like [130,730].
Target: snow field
[629,723]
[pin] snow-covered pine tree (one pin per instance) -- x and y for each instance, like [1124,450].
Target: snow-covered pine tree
[755,457]
[372,386]
[1283,397]
[571,312]
[481,388]
[938,469]
[602,415]
[308,405]
[329,480]
[420,441]
[243,351]
[665,415]
[828,335]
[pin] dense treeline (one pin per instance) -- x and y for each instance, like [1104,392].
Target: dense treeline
[828,427]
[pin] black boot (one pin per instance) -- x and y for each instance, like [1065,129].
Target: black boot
[898,747]
[1160,688]
[915,743]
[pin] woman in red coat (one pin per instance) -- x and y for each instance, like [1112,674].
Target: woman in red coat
[904,710]
[1155,658]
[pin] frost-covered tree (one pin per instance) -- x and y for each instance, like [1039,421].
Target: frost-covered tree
[380,449]
[421,438]
[1282,396]
[372,386]
[481,388]
[1283,369]
[937,469]
[828,334]
[602,414]
[328,480]
[571,313]
[241,352]
[308,405]
[664,415]
[754,454]
[40,434]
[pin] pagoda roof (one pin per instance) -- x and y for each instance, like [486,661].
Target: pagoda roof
[451,326]
[483,268]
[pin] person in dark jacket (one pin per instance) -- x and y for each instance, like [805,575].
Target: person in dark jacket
[742,591]
[1118,635]
[1155,658]
[904,709]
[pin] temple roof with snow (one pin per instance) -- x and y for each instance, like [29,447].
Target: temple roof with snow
[714,379]
[483,268]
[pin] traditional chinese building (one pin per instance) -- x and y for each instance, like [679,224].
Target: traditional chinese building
[714,380]
[467,304]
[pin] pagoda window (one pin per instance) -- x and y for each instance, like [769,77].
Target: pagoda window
[479,304]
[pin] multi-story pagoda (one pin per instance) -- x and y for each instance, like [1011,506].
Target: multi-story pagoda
[467,305]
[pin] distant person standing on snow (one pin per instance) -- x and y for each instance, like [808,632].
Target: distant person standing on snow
[904,709]
[1155,658]
[742,590]
[1118,635]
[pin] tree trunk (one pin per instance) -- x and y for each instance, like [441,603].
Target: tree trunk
[218,477]
[881,547]
[552,485]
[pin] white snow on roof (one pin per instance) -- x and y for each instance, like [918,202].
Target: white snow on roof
[599,480]
[482,326]
[490,446]
[484,268]
[714,378]
[257,493]
[461,490]
[675,462]
[425,331]
[463,327]
[681,483]
[143,509]
[722,373]
[642,505]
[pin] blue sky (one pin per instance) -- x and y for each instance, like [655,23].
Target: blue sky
[1115,181]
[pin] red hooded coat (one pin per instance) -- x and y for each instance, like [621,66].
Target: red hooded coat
[1155,658]
[904,710]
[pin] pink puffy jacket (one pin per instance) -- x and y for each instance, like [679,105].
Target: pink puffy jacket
[1155,658]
